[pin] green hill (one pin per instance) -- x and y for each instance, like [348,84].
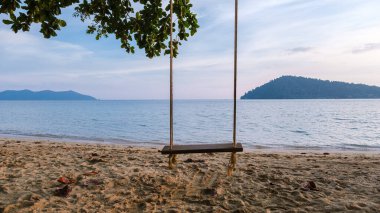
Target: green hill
[292,87]
[42,95]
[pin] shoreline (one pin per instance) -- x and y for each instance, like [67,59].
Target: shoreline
[137,179]
[255,148]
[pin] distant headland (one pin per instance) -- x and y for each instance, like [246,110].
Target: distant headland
[13,95]
[292,87]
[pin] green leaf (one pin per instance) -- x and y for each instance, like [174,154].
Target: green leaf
[7,22]
[62,23]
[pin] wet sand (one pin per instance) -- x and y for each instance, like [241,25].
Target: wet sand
[115,178]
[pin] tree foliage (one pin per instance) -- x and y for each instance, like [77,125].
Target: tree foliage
[141,23]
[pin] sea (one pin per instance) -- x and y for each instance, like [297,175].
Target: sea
[261,124]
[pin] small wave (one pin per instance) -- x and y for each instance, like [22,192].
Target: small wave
[299,147]
[342,119]
[70,138]
[361,146]
[300,132]
[10,132]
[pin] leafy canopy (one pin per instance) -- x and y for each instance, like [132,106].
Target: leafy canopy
[141,23]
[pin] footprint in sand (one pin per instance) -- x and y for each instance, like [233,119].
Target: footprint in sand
[202,183]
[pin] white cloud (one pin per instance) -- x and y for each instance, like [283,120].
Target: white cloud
[21,45]
[366,48]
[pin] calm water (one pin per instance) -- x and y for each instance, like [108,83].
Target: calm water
[326,124]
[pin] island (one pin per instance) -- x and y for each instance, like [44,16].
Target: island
[19,95]
[296,87]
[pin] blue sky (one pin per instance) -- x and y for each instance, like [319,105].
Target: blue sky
[327,39]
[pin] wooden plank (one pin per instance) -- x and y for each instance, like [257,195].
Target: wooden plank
[202,148]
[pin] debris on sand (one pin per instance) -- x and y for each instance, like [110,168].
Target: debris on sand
[63,192]
[209,191]
[91,173]
[189,160]
[95,160]
[91,183]
[65,180]
[310,186]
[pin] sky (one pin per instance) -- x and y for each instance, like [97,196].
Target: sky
[325,39]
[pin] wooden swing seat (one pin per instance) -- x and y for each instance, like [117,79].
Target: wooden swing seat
[202,148]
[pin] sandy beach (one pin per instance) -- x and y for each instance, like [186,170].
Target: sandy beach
[115,178]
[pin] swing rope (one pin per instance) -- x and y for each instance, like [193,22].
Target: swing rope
[171,74]
[172,157]
[232,163]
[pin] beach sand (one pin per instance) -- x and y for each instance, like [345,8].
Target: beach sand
[113,178]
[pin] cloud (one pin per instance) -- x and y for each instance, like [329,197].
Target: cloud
[26,45]
[366,48]
[299,50]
